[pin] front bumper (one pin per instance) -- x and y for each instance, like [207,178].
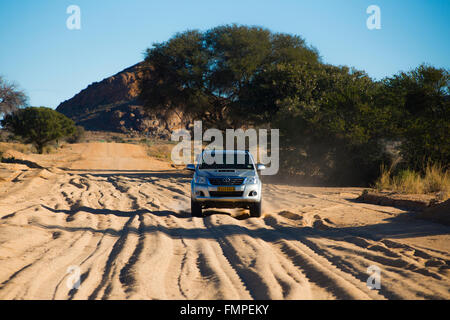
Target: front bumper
[202,193]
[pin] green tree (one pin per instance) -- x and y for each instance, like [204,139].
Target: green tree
[330,124]
[334,122]
[421,103]
[204,73]
[38,125]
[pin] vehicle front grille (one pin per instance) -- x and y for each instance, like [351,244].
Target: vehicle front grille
[223,194]
[226,181]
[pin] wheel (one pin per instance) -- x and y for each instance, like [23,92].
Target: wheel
[196,209]
[255,209]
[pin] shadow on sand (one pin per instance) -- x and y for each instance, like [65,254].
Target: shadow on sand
[395,227]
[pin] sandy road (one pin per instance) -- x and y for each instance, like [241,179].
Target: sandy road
[123,219]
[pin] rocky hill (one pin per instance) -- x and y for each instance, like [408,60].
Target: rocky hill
[112,105]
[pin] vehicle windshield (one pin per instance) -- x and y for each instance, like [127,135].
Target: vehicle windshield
[226,161]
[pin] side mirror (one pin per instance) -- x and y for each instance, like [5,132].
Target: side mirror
[260,167]
[190,167]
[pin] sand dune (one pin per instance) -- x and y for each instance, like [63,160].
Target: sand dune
[123,219]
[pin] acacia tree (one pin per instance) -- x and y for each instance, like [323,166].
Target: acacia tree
[421,98]
[38,125]
[334,121]
[204,73]
[330,126]
[10,97]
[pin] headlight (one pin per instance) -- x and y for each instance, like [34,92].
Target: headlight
[200,179]
[252,180]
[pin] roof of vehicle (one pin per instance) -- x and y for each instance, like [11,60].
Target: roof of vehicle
[226,151]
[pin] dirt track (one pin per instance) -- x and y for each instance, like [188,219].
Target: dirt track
[124,220]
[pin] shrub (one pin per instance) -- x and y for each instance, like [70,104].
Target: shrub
[118,139]
[78,136]
[39,125]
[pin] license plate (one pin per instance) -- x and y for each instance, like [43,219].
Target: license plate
[226,189]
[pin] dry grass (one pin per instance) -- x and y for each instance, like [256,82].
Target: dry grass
[384,180]
[105,136]
[49,149]
[159,149]
[23,148]
[435,180]
[408,181]
[26,148]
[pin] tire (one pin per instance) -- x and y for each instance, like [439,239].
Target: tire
[196,209]
[255,210]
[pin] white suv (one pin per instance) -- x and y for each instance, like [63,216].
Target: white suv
[226,179]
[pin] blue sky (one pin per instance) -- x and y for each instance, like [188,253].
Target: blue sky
[52,63]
